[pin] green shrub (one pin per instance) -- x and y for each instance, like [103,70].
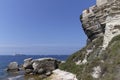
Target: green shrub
[111,57]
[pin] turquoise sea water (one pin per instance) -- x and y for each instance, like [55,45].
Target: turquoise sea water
[5,60]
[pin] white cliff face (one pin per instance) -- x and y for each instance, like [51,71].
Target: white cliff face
[96,72]
[110,29]
[84,61]
[101,2]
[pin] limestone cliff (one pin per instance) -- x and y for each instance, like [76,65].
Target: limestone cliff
[99,59]
[102,20]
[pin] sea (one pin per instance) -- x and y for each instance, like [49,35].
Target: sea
[6,59]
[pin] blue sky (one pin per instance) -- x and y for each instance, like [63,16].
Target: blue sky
[41,26]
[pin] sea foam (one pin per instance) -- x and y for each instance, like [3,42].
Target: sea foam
[20,77]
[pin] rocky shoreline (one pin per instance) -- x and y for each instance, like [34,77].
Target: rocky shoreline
[40,69]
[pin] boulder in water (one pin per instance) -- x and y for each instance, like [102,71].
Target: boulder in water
[13,66]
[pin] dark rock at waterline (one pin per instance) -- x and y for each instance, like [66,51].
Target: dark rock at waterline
[28,63]
[13,66]
[48,73]
[28,71]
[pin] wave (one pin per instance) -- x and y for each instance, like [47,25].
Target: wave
[20,77]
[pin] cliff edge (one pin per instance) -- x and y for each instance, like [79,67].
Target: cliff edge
[99,59]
